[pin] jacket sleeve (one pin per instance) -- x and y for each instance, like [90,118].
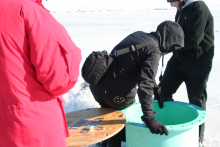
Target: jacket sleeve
[195,28]
[55,57]
[146,83]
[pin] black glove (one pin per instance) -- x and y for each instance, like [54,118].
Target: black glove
[157,96]
[156,126]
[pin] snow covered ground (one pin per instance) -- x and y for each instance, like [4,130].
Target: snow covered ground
[96,31]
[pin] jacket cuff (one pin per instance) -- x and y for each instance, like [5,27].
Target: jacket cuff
[145,119]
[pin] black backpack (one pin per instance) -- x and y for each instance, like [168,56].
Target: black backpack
[97,63]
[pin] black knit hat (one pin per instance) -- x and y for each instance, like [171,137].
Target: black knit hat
[172,0]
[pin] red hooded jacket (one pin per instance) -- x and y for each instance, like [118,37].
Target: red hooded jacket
[38,63]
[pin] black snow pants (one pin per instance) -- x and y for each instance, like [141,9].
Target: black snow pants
[195,74]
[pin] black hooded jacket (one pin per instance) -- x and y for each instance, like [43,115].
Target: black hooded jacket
[138,69]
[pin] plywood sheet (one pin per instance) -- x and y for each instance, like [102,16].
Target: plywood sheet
[110,119]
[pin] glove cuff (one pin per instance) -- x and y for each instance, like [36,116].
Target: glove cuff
[146,119]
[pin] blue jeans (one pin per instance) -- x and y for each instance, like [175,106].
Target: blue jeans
[195,74]
[107,100]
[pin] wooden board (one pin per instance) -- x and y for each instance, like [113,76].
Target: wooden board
[105,117]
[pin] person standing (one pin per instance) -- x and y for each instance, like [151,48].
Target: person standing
[193,62]
[138,68]
[39,62]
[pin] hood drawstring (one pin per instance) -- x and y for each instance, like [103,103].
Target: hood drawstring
[161,75]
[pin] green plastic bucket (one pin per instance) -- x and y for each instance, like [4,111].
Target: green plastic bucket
[181,119]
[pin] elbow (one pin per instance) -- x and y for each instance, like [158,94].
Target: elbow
[62,89]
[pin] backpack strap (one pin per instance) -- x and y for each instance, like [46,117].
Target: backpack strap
[133,48]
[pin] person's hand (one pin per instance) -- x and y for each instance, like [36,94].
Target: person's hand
[156,127]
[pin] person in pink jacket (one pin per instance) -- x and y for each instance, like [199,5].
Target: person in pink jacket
[38,63]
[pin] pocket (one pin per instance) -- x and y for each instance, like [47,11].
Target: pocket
[67,44]
[88,65]
[68,47]
[208,67]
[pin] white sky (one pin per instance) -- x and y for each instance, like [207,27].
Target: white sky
[110,4]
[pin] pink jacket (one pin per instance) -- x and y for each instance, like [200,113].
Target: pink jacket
[38,63]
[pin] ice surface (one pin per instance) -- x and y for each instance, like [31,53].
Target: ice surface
[96,31]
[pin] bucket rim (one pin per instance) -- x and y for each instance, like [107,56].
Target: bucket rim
[200,119]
